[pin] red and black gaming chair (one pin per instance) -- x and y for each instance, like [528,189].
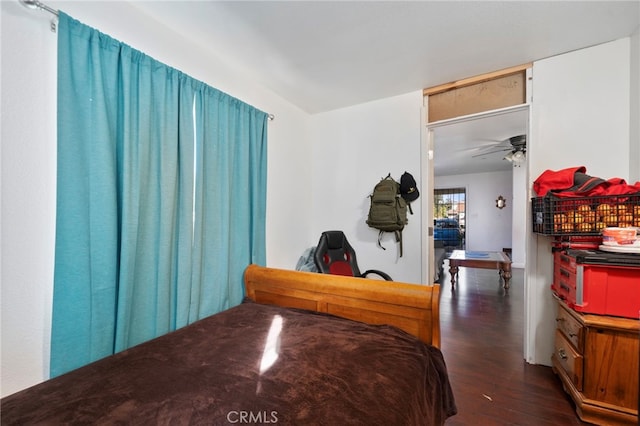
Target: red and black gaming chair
[334,255]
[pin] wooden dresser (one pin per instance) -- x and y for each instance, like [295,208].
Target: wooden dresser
[597,359]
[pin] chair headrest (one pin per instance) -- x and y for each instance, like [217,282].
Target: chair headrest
[335,239]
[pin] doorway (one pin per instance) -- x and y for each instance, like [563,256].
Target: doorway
[468,152]
[454,152]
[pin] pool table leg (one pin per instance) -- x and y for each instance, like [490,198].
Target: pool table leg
[505,273]
[453,271]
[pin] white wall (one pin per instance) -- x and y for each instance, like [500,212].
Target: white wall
[487,227]
[28,196]
[581,111]
[519,230]
[580,116]
[312,186]
[28,132]
[634,133]
[353,148]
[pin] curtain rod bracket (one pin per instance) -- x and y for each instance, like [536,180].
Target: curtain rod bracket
[35,4]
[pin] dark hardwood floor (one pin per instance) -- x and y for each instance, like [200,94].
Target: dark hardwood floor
[482,342]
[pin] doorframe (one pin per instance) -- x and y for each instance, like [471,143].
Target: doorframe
[427,148]
[427,181]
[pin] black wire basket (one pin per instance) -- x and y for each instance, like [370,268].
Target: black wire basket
[553,215]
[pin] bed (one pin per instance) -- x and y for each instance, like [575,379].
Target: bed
[302,349]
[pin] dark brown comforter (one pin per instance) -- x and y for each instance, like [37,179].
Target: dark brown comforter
[316,369]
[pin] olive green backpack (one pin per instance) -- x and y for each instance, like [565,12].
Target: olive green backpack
[388,210]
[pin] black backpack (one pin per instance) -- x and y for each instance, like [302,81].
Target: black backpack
[388,210]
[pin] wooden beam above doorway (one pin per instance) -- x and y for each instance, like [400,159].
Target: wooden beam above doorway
[485,92]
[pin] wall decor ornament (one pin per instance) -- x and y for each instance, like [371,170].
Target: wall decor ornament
[501,202]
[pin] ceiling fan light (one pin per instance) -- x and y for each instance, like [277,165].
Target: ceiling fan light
[509,157]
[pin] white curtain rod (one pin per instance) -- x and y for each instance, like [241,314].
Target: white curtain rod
[35,4]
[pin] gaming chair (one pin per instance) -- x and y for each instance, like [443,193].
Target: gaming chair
[334,255]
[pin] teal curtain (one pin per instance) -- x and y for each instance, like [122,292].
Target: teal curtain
[161,198]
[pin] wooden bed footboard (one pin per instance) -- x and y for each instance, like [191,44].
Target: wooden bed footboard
[411,307]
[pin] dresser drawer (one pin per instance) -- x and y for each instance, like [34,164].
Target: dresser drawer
[571,328]
[570,360]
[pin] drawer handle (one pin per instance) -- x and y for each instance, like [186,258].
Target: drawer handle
[565,273]
[562,354]
[564,287]
[573,334]
[559,319]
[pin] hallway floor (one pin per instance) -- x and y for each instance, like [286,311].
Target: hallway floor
[482,341]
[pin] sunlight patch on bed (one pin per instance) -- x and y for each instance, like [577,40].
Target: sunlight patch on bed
[272,345]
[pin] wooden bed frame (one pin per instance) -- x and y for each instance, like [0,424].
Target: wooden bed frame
[410,307]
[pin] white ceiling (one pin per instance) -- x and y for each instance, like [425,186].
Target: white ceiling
[470,146]
[325,55]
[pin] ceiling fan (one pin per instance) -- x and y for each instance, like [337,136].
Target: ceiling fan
[516,144]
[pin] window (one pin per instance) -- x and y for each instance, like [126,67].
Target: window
[450,208]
